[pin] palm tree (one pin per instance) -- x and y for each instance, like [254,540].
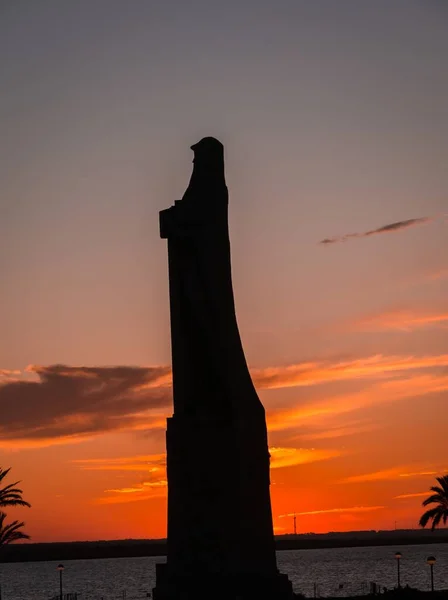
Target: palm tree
[10,495]
[11,533]
[440,499]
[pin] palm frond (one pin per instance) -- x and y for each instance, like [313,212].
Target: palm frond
[11,495]
[436,498]
[11,502]
[4,473]
[12,498]
[436,520]
[440,498]
[429,514]
[444,483]
[12,531]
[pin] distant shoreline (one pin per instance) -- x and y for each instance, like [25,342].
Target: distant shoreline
[60,551]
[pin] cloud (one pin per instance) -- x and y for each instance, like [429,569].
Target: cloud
[384,391]
[70,404]
[390,228]
[416,495]
[159,492]
[146,490]
[418,474]
[313,373]
[153,465]
[437,275]
[9,372]
[346,430]
[394,473]
[400,320]
[141,488]
[289,457]
[74,403]
[9,375]
[352,509]
[149,463]
[278,529]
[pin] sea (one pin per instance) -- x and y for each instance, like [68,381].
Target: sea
[314,573]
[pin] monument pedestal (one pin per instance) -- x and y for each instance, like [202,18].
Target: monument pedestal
[203,586]
[220,541]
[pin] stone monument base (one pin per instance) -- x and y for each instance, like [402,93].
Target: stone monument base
[204,586]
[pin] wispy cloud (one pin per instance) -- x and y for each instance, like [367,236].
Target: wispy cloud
[145,485]
[278,529]
[382,392]
[390,228]
[416,495]
[418,474]
[351,509]
[437,275]
[401,320]
[137,496]
[288,457]
[153,465]
[347,430]
[146,490]
[395,473]
[9,375]
[149,463]
[312,373]
[9,372]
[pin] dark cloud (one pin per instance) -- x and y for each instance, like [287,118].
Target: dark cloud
[74,402]
[65,404]
[391,227]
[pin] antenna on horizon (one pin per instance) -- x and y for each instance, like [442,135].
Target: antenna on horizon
[295,527]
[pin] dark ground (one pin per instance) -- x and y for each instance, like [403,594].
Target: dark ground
[60,551]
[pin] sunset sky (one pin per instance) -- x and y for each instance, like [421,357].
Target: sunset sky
[334,117]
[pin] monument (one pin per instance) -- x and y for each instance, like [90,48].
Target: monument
[220,533]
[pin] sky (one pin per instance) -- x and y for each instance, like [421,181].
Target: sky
[334,118]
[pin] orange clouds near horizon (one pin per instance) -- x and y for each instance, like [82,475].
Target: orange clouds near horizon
[312,441]
[149,463]
[313,373]
[352,509]
[401,320]
[387,474]
[414,495]
[378,393]
[107,399]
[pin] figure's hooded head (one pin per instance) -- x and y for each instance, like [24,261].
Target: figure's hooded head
[207,180]
[209,158]
[208,148]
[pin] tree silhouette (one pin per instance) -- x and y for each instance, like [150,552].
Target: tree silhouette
[10,495]
[11,532]
[440,499]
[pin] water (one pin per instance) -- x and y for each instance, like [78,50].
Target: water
[353,566]
[109,578]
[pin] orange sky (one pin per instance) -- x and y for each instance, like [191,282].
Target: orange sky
[335,125]
[351,444]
